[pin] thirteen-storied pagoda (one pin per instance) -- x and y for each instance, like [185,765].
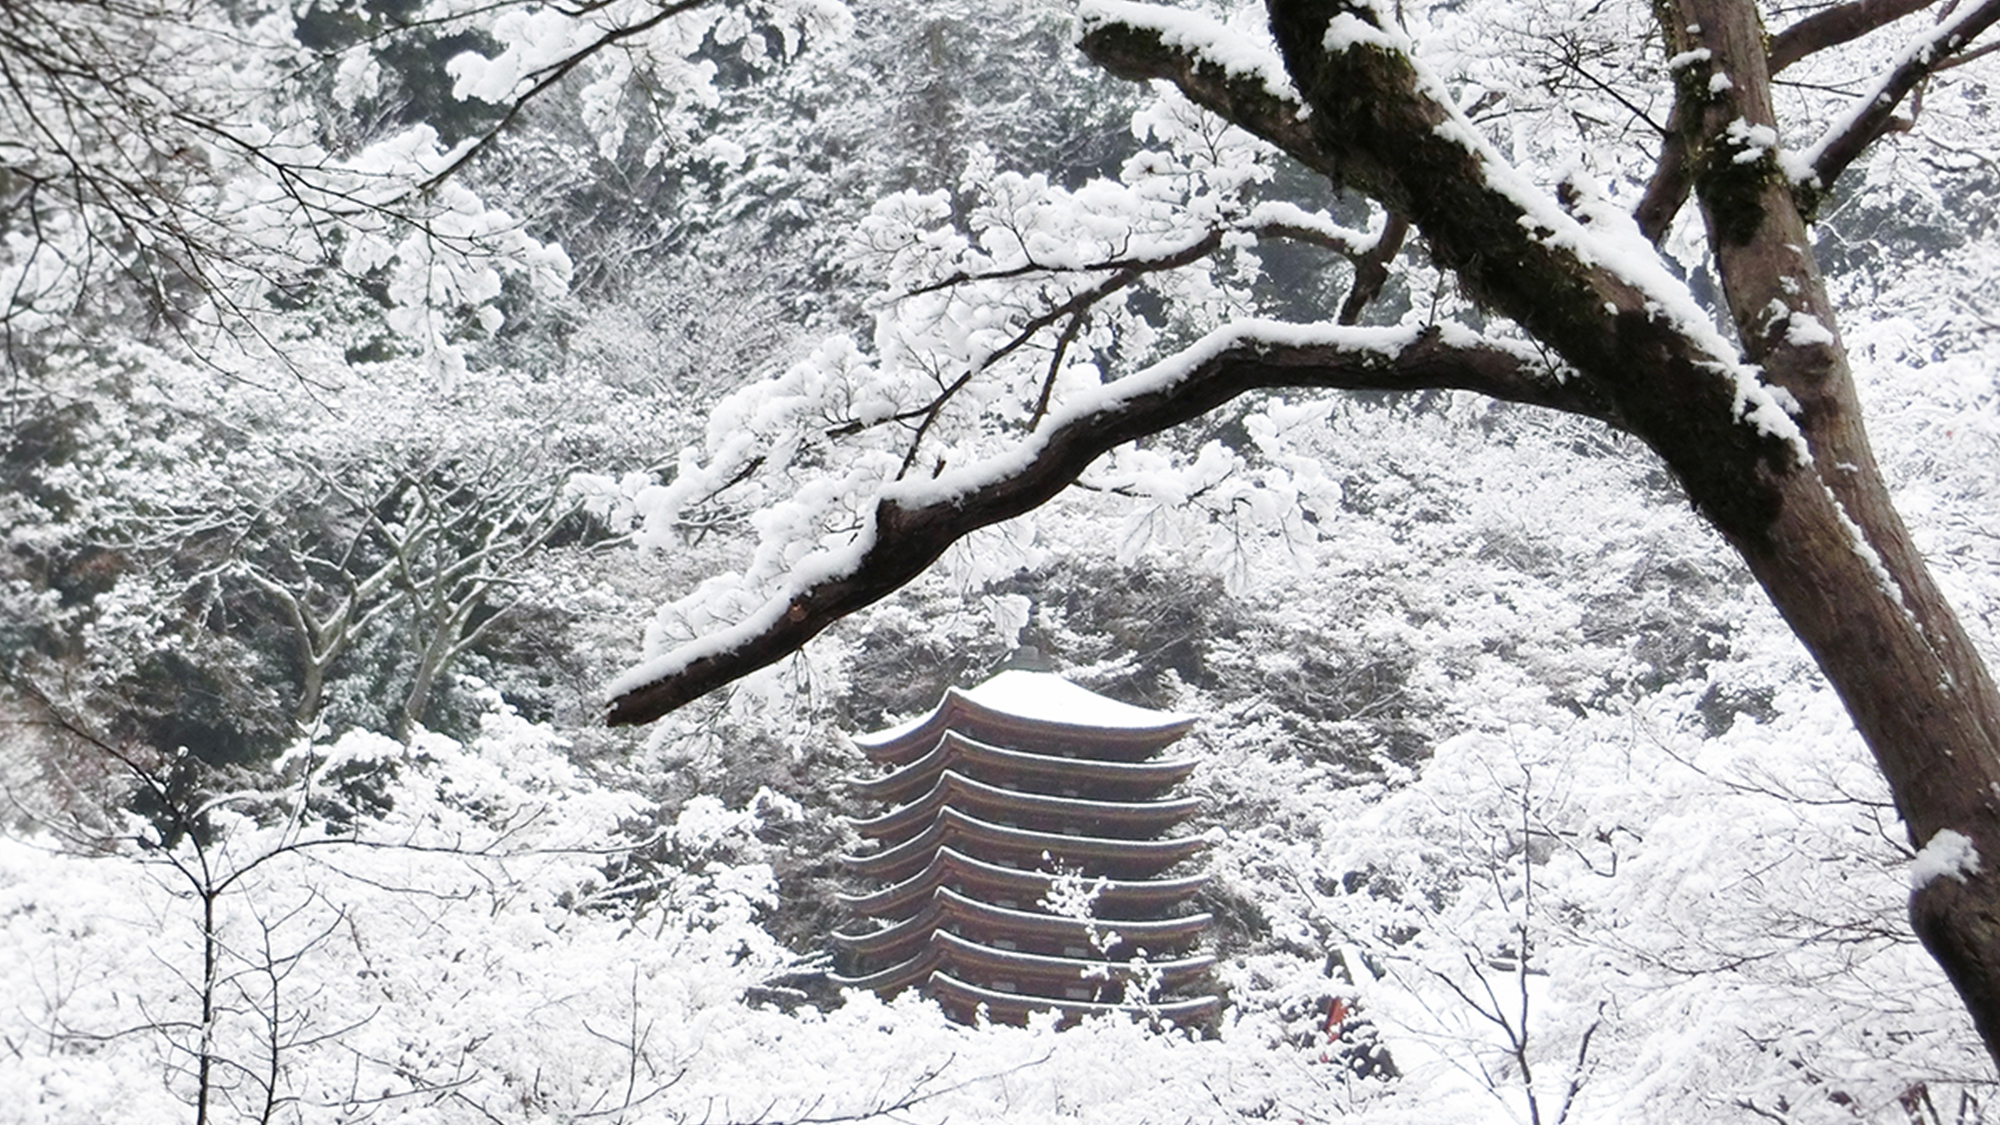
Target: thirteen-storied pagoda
[1008,806]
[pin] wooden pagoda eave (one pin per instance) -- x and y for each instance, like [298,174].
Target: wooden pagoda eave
[989,763]
[1135,737]
[1094,855]
[987,881]
[1010,1007]
[898,976]
[948,907]
[1034,810]
[944,949]
[963,952]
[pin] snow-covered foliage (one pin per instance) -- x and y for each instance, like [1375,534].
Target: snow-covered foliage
[483,950]
[445,953]
[1526,807]
[1685,912]
[206,166]
[289,555]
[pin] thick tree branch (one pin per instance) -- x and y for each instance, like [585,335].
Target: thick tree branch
[914,522]
[1595,295]
[1673,178]
[1830,27]
[1875,113]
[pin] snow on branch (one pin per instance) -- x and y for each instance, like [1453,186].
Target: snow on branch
[913,521]
[1874,114]
[1270,220]
[1217,67]
[1512,243]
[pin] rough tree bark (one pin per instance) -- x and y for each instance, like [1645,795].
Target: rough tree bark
[1804,504]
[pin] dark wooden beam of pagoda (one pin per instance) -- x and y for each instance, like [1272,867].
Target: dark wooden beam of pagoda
[948,907]
[991,764]
[1093,855]
[1114,899]
[1073,815]
[1046,974]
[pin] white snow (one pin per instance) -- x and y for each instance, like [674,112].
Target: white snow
[1347,30]
[1214,42]
[1278,212]
[1755,140]
[1046,697]
[1949,853]
[1865,550]
[1041,697]
[1805,330]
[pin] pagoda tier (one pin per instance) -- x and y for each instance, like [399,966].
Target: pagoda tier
[1040,812]
[1032,708]
[1003,968]
[1030,931]
[1025,850]
[1025,771]
[1004,886]
[1003,801]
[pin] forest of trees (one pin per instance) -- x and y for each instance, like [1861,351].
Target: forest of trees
[465,465]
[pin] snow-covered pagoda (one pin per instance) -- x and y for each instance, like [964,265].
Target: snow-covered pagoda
[1008,807]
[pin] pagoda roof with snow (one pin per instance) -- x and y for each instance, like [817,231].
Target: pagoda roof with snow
[1031,928]
[943,949]
[1092,855]
[1029,810]
[1041,704]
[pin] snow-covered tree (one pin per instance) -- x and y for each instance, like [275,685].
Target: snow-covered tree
[1542,160]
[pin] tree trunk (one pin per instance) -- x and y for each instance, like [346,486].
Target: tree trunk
[1916,689]
[1811,517]
[1834,555]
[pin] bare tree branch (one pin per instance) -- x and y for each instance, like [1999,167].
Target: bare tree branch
[1673,178]
[1830,27]
[547,77]
[1371,255]
[1371,270]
